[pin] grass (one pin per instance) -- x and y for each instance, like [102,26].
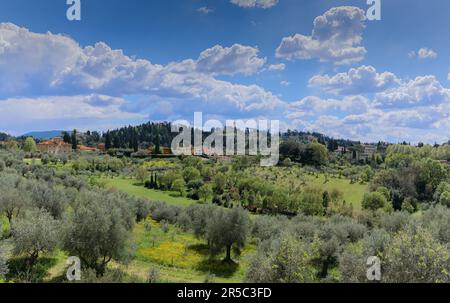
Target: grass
[180,257]
[352,193]
[132,187]
[4,225]
[33,161]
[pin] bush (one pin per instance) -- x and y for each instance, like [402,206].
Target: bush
[374,201]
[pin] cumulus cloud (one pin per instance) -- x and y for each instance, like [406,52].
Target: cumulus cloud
[255,3]
[237,59]
[421,91]
[277,67]
[34,64]
[336,37]
[313,105]
[361,80]
[423,53]
[59,112]
[415,111]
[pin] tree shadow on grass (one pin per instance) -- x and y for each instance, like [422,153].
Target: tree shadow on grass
[220,268]
[210,265]
[19,272]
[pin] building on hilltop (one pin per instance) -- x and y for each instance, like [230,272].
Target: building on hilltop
[55,146]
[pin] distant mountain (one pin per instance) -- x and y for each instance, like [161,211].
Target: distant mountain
[44,135]
[4,137]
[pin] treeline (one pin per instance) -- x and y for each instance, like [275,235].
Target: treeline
[4,137]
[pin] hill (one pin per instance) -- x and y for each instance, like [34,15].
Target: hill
[44,135]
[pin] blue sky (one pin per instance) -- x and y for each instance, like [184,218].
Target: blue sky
[131,61]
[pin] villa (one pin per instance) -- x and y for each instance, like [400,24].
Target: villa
[55,146]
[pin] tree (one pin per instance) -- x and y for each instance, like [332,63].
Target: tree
[12,202]
[190,174]
[415,256]
[227,228]
[220,182]
[312,202]
[205,192]
[315,154]
[29,145]
[374,201]
[74,140]
[98,229]
[179,185]
[34,233]
[141,174]
[67,138]
[445,198]
[157,144]
[108,141]
[285,260]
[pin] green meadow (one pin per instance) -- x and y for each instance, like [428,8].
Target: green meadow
[132,187]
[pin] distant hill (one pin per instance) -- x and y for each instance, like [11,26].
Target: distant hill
[44,135]
[4,137]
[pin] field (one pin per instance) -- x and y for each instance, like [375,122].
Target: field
[176,255]
[353,193]
[132,187]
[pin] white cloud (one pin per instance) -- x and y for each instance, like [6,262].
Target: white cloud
[336,37]
[205,10]
[255,3]
[277,67]
[285,83]
[237,59]
[34,65]
[422,91]
[313,105]
[32,113]
[361,80]
[423,53]
[416,111]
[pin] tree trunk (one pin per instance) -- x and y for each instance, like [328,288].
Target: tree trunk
[228,257]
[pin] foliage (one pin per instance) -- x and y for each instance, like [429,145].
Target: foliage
[227,228]
[33,234]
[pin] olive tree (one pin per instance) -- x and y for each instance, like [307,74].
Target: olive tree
[12,202]
[415,256]
[97,230]
[284,260]
[227,228]
[34,233]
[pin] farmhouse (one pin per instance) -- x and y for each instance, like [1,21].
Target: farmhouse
[55,146]
[86,148]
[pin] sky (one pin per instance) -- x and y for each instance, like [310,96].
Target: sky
[315,65]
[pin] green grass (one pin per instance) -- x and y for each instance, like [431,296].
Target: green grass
[180,257]
[31,161]
[353,193]
[4,225]
[132,187]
